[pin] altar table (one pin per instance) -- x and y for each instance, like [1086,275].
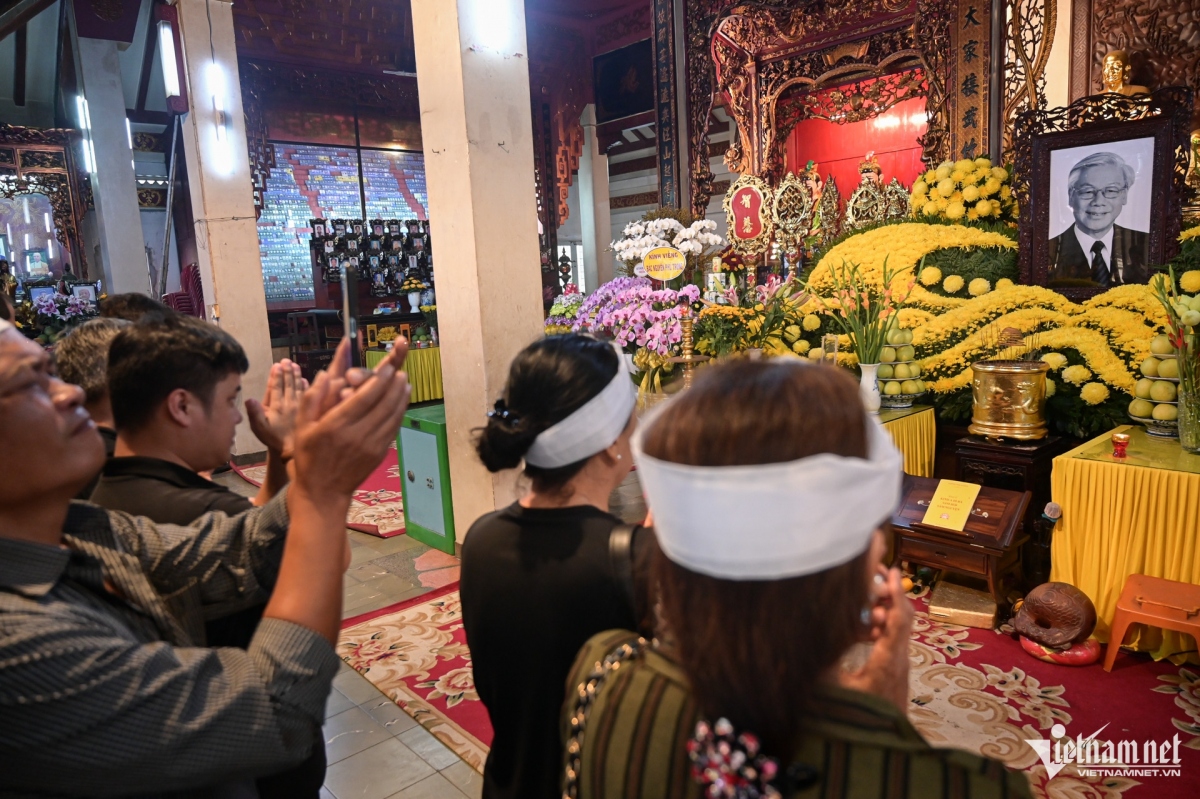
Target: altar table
[1140,516]
[424,370]
[915,433]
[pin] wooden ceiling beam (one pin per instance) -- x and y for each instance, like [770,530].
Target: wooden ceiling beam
[19,13]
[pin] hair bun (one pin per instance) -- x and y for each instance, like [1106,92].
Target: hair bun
[504,441]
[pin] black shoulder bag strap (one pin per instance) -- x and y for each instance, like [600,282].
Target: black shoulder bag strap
[620,553]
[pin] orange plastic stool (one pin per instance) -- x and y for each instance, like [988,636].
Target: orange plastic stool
[1160,603]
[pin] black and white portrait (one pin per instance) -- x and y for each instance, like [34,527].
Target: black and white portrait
[1100,206]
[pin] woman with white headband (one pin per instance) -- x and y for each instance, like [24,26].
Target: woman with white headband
[543,575]
[769,489]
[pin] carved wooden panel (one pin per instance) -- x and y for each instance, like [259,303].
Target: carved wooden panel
[1162,36]
[558,74]
[346,34]
[634,23]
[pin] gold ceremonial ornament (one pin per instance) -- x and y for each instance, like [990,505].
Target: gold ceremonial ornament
[897,200]
[689,359]
[792,213]
[829,211]
[1115,73]
[867,204]
[754,245]
[1009,399]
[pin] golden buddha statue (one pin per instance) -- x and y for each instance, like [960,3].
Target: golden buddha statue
[1115,72]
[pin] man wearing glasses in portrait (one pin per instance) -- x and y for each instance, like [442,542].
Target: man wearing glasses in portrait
[1095,250]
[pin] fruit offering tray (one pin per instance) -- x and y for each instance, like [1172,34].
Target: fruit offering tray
[1158,428]
[900,383]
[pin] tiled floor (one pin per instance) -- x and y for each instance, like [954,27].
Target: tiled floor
[373,748]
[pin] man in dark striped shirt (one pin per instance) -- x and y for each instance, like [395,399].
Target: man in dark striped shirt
[102,692]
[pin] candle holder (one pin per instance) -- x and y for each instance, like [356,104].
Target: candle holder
[1120,442]
[689,359]
[829,346]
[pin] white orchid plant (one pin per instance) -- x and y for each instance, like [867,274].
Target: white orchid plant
[697,240]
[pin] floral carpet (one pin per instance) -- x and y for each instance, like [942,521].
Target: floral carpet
[377,507]
[969,688]
[416,653]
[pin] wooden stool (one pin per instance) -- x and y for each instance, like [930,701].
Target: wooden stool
[1160,603]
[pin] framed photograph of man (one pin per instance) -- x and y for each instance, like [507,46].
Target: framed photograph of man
[1100,185]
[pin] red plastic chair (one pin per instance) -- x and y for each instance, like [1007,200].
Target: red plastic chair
[189,300]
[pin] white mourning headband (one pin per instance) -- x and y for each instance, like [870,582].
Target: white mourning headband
[590,429]
[774,520]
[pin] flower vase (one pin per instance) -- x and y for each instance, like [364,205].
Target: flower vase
[869,386]
[433,336]
[414,301]
[1189,421]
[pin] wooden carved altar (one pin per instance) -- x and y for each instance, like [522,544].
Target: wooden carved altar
[37,161]
[773,62]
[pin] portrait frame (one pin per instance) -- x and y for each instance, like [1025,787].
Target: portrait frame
[1092,122]
[36,292]
[87,292]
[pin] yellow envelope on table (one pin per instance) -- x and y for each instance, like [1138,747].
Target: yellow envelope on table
[951,505]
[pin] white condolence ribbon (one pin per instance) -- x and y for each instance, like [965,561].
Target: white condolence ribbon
[592,428]
[773,520]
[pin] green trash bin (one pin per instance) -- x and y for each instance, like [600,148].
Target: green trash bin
[425,477]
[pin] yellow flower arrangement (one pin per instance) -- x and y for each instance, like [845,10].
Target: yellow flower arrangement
[1077,374]
[903,246]
[1004,283]
[1094,349]
[1050,388]
[1190,233]
[931,276]
[1094,393]
[914,318]
[954,359]
[953,284]
[1056,360]
[1137,298]
[1127,331]
[979,286]
[1190,281]
[967,185]
[811,322]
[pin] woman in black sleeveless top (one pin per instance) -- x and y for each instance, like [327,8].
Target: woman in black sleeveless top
[538,577]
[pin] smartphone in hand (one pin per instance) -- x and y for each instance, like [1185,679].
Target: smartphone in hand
[350,315]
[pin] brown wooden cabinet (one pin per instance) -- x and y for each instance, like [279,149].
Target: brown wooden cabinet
[989,547]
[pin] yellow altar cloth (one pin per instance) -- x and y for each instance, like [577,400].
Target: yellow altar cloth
[1141,516]
[424,370]
[915,433]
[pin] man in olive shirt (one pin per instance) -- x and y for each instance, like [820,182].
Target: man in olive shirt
[104,692]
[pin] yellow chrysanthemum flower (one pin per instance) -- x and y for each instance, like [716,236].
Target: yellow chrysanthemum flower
[979,286]
[1159,279]
[930,177]
[958,176]
[956,197]
[1005,192]
[1050,388]
[955,210]
[971,193]
[952,284]
[942,204]
[1190,281]
[1077,374]
[931,276]
[990,187]
[943,171]
[1094,393]
[930,208]
[920,187]
[1004,283]
[983,163]
[983,208]
[972,215]
[1000,173]
[1190,233]
[1056,360]
[811,322]
[965,165]
[946,187]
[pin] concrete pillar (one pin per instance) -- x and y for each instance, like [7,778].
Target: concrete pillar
[221,194]
[594,214]
[473,79]
[114,188]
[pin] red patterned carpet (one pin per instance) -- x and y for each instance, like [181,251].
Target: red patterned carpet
[377,507]
[970,688]
[416,653]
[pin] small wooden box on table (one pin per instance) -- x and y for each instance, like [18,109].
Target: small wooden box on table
[989,547]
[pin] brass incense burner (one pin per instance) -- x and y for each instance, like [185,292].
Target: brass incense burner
[1010,399]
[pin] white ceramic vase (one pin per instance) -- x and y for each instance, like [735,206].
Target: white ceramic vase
[414,301]
[869,386]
